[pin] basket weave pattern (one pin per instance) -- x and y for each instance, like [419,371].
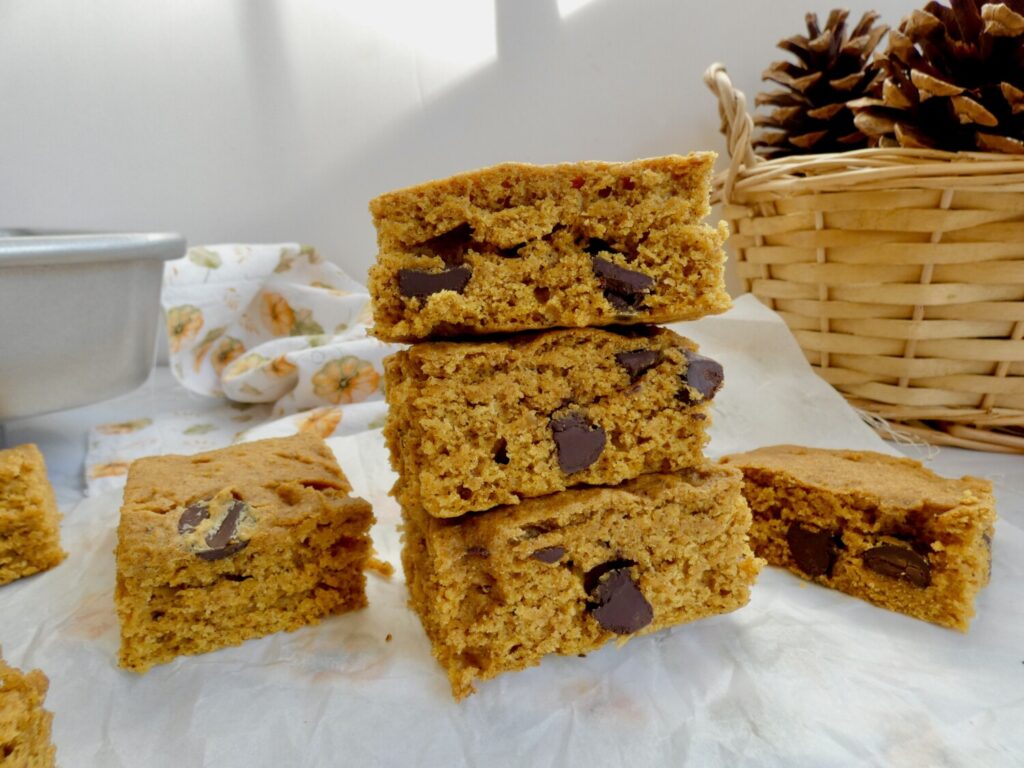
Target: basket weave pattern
[899,271]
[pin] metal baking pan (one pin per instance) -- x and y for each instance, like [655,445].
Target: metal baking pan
[78,315]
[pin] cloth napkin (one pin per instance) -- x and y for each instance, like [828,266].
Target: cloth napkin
[275,336]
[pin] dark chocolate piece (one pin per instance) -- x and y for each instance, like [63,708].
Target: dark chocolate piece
[579,443]
[535,530]
[510,253]
[624,288]
[193,515]
[596,245]
[638,361]
[451,246]
[813,551]
[223,542]
[616,602]
[898,563]
[416,283]
[478,552]
[703,375]
[501,452]
[549,555]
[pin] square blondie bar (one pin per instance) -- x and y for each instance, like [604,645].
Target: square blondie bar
[880,528]
[520,247]
[220,547]
[496,591]
[29,519]
[25,740]
[472,425]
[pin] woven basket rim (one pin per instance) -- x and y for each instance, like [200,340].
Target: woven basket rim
[895,168]
[910,300]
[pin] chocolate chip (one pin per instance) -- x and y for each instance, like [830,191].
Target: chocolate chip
[501,451]
[638,361]
[616,602]
[417,283]
[193,515]
[703,375]
[510,253]
[223,542]
[549,555]
[898,563]
[624,288]
[478,552]
[538,528]
[451,245]
[579,443]
[592,578]
[813,551]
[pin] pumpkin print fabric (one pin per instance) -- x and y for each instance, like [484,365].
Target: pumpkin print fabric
[271,324]
[275,336]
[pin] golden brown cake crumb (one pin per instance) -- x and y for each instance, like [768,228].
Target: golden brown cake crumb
[472,425]
[884,529]
[25,740]
[29,519]
[220,547]
[382,568]
[519,247]
[496,591]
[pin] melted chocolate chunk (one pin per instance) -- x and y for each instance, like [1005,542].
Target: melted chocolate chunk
[579,443]
[549,555]
[638,361]
[624,288]
[501,452]
[813,551]
[510,253]
[703,375]
[223,542]
[616,602]
[535,530]
[417,283]
[193,515]
[596,245]
[898,563]
[452,245]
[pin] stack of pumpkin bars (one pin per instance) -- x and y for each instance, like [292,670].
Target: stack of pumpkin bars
[549,437]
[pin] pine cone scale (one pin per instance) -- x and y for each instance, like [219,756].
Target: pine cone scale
[954,80]
[1001,21]
[811,111]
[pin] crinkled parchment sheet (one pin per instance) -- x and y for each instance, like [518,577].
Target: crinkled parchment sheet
[802,676]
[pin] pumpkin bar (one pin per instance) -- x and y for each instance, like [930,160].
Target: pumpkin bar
[496,591]
[880,528]
[472,425]
[29,519]
[25,740]
[220,547]
[519,247]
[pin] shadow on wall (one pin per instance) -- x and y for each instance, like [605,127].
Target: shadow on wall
[545,99]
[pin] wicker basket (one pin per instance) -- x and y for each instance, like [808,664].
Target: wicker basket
[899,271]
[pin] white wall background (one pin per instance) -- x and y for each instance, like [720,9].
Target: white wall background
[257,120]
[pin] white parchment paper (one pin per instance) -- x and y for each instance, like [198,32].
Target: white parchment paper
[802,676]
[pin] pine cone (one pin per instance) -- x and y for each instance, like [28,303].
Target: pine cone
[811,115]
[953,80]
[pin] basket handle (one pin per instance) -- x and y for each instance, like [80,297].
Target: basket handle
[736,124]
